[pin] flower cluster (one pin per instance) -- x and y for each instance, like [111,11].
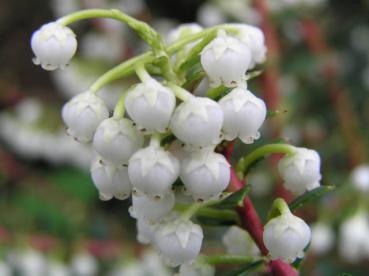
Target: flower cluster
[137,149]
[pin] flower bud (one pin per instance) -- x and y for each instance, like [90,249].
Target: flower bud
[243,115]
[84,264]
[110,179]
[239,242]
[253,38]
[205,174]
[353,243]
[197,122]
[182,31]
[226,60]
[360,178]
[145,231]
[150,105]
[286,236]
[82,114]
[197,268]
[322,239]
[300,171]
[116,139]
[153,170]
[151,209]
[178,241]
[54,45]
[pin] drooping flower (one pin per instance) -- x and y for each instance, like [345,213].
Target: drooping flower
[54,45]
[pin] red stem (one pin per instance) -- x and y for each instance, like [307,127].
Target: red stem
[251,222]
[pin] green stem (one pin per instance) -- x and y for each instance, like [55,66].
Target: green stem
[143,30]
[279,207]
[122,70]
[228,215]
[142,73]
[180,93]
[245,162]
[119,107]
[230,259]
[155,140]
[126,68]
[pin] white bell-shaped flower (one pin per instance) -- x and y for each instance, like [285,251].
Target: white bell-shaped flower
[205,174]
[243,115]
[322,239]
[150,105]
[197,268]
[145,231]
[353,244]
[182,31]
[116,139]
[151,209]
[5,269]
[360,178]
[178,241]
[253,38]
[84,264]
[286,236]
[54,45]
[239,242]
[82,115]
[198,122]
[111,180]
[153,170]
[300,171]
[226,60]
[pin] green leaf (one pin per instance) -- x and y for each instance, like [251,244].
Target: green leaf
[234,200]
[206,221]
[310,196]
[245,269]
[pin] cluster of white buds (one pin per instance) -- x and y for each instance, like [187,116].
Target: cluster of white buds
[300,170]
[286,237]
[126,164]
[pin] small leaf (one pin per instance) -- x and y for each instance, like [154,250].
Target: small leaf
[205,221]
[310,196]
[235,199]
[245,269]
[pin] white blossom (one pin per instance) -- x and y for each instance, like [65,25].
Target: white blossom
[360,178]
[286,236]
[300,170]
[153,170]
[82,115]
[226,60]
[197,122]
[243,115]
[322,238]
[239,242]
[179,241]
[151,209]
[196,268]
[116,139]
[150,105]
[111,180]
[253,38]
[205,174]
[353,244]
[54,45]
